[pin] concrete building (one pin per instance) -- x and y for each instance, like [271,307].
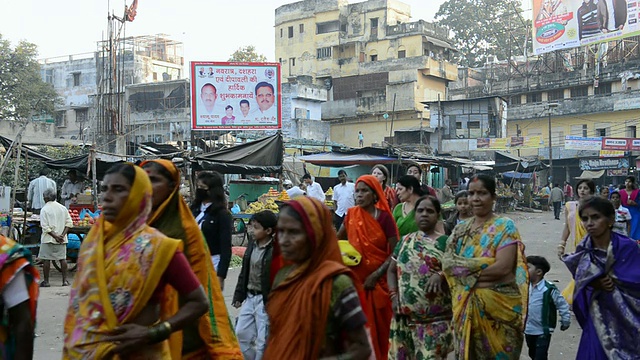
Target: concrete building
[584,96]
[80,79]
[301,109]
[376,63]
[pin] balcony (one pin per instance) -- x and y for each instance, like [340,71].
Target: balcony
[418,27]
[428,65]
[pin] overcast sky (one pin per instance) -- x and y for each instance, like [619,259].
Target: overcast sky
[210,31]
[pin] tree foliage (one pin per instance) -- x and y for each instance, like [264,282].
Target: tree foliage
[485,27]
[23,93]
[247,54]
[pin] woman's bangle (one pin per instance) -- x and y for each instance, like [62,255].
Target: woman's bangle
[393,293]
[160,332]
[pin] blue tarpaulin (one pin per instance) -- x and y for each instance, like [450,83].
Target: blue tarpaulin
[517,175]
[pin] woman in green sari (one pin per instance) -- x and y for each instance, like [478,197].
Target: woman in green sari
[408,190]
[421,328]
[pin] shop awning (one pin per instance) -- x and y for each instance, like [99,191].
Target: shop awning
[517,175]
[588,174]
[339,159]
[257,157]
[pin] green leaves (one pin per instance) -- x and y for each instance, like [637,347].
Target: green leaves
[247,54]
[485,27]
[23,93]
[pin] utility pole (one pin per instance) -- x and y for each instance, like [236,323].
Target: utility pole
[549,107]
[439,126]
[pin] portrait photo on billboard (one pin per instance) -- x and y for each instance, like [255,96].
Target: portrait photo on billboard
[235,96]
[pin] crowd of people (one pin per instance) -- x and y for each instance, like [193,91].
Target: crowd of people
[408,284]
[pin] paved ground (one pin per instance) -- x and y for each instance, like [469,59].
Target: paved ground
[539,231]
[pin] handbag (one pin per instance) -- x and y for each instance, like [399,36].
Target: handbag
[350,256]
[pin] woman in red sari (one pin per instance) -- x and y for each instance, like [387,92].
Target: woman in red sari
[370,228]
[629,199]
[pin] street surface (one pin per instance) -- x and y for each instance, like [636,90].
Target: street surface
[539,231]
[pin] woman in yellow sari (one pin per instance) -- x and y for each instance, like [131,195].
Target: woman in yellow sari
[212,336]
[127,274]
[573,227]
[487,273]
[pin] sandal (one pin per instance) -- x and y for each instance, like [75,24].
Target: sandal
[44,284]
[65,283]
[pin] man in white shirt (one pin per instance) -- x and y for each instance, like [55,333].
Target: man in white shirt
[314,189]
[55,222]
[37,187]
[343,198]
[71,188]
[294,191]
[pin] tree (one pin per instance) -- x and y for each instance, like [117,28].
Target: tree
[247,54]
[23,93]
[485,27]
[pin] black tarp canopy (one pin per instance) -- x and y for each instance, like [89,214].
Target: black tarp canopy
[506,162]
[257,157]
[80,164]
[6,142]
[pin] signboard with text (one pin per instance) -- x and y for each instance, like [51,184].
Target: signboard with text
[568,24]
[514,142]
[235,96]
[603,164]
[624,144]
[582,143]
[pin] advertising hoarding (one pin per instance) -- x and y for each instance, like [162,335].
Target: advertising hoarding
[235,96]
[603,164]
[582,143]
[514,142]
[565,24]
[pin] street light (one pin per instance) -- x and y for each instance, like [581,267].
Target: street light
[549,107]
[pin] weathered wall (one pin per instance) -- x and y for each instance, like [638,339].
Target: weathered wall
[374,128]
[34,131]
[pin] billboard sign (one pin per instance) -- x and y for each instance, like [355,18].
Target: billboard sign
[622,144]
[514,142]
[582,143]
[235,96]
[603,164]
[565,24]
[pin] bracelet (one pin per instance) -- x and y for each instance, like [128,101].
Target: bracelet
[393,293]
[160,332]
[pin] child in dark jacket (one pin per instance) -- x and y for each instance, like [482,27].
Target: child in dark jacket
[254,286]
[545,301]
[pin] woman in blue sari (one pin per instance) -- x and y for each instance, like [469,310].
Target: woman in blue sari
[606,300]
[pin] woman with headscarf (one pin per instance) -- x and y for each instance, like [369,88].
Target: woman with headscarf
[128,274]
[382,174]
[314,306]
[370,229]
[212,336]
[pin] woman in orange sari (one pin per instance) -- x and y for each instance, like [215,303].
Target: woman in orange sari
[315,306]
[212,337]
[128,274]
[370,229]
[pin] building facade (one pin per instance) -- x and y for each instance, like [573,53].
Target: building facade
[376,64]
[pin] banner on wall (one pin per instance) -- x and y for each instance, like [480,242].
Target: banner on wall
[603,164]
[514,142]
[622,144]
[235,96]
[582,143]
[565,24]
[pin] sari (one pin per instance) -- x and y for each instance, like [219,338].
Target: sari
[120,265]
[609,320]
[306,291]
[366,235]
[488,323]
[577,233]
[406,224]
[213,335]
[422,328]
[634,210]
[392,197]
[15,258]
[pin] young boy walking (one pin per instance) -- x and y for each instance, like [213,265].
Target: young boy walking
[545,301]
[254,285]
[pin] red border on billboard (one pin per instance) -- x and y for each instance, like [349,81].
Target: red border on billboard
[194,95]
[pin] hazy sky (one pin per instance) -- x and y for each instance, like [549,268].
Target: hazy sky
[210,30]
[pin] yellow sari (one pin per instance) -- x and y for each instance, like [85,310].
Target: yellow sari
[213,336]
[119,267]
[578,232]
[488,322]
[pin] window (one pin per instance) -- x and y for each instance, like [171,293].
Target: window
[327,27]
[602,89]
[290,32]
[631,131]
[534,98]
[76,79]
[81,115]
[47,76]
[473,125]
[580,91]
[343,27]
[374,23]
[601,132]
[458,125]
[555,95]
[292,62]
[301,28]
[280,60]
[374,57]
[61,119]
[402,54]
[155,76]
[584,130]
[323,53]
[516,100]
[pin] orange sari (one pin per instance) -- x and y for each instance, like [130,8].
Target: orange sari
[213,336]
[299,306]
[366,234]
